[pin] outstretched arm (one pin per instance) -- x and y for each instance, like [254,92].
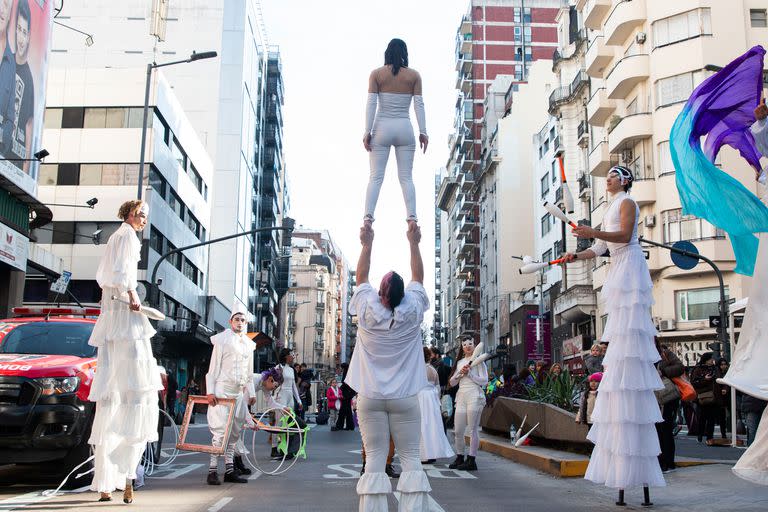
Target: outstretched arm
[417,264]
[364,263]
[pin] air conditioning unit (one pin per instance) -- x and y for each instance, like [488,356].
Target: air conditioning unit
[640,37]
[626,156]
[649,221]
[667,324]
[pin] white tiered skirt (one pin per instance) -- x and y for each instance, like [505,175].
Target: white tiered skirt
[623,430]
[125,389]
[434,444]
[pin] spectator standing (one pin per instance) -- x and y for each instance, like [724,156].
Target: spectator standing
[589,399]
[724,411]
[752,408]
[703,379]
[593,363]
[345,420]
[443,370]
[333,395]
[670,367]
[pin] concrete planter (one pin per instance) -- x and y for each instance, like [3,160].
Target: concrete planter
[555,424]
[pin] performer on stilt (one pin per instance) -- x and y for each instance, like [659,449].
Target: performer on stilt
[125,387]
[626,411]
[287,393]
[230,376]
[470,400]
[391,87]
[434,445]
[387,372]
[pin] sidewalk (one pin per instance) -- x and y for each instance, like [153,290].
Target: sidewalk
[689,452]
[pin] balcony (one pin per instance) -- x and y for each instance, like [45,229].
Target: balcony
[594,13]
[597,58]
[582,134]
[644,191]
[446,193]
[467,224]
[557,146]
[492,158]
[629,129]
[599,159]
[585,189]
[320,305]
[599,108]
[575,303]
[463,62]
[466,140]
[320,324]
[466,42]
[570,51]
[623,20]
[467,180]
[626,74]
[466,164]
[567,93]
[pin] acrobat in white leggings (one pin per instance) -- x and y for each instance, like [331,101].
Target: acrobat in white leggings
[470,400]
[392,127]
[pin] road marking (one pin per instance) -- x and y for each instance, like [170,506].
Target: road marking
[348,471]
[22,501]
[219,504]
[180,469]
[433,505]
[256,474]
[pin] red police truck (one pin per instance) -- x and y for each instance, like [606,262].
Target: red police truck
[46,370]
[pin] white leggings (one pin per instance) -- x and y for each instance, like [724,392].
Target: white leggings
[400,418]
[389,132]
[467,415]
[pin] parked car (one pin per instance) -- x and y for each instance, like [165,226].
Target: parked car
[46,371]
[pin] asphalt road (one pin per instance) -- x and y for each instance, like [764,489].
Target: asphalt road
[325,482]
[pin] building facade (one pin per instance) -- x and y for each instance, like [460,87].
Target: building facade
[495,37]
[92,128]
[233,102]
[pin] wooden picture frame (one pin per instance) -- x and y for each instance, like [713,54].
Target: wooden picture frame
[203,448]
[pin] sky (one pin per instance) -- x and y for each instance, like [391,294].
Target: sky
[328,50]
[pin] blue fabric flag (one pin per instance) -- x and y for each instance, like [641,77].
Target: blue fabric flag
[722,109]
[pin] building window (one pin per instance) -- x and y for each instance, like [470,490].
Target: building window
[320,297]
[72,117]
[53,117]
[758,18]
[546,224]
[697,304]
[178,154]
[527,38]
[666,166]
[518,34]
[683,26]
[47,174]
[557,249]
[554,171]
[68,174]
[676,88]
[545,185]
[547,256]
[676,226]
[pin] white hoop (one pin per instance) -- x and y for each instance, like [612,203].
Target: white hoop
[149,463]
[276,430]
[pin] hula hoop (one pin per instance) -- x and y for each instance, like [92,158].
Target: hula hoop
[276,430]
[148,462]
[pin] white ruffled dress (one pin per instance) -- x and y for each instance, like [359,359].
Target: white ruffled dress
[127,379]
[626,410]
[434,444]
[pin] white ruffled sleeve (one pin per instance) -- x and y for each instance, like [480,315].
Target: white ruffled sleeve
[118,267]
[599,247]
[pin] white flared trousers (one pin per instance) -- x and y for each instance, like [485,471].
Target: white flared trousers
[400,418]
[388,132]
[468,410]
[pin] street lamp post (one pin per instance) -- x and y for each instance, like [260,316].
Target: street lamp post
[150,67]
[154,287]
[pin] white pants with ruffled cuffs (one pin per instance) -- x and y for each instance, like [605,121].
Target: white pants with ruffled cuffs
[400,418]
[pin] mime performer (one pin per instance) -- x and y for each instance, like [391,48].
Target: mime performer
[230,376]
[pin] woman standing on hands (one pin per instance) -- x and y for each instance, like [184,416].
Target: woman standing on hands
[127,376]
[391,87]
[626,411]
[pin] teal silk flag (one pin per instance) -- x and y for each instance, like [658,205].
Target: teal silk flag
[722,110]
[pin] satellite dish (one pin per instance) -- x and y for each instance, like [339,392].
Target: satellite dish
[682,261]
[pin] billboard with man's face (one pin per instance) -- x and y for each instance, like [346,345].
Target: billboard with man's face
[25,34]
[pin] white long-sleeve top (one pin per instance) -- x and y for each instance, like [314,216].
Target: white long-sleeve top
[118,267]
[231,364]
[475,380]
[288,392]
[760,131]
[270,400]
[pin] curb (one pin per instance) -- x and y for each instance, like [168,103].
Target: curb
[558,463]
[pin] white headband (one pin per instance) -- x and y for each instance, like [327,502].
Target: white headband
[625,175]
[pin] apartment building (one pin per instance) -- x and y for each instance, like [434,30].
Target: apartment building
[495,37]
[644,58]
[318,324]
[92,128]
[234,104]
